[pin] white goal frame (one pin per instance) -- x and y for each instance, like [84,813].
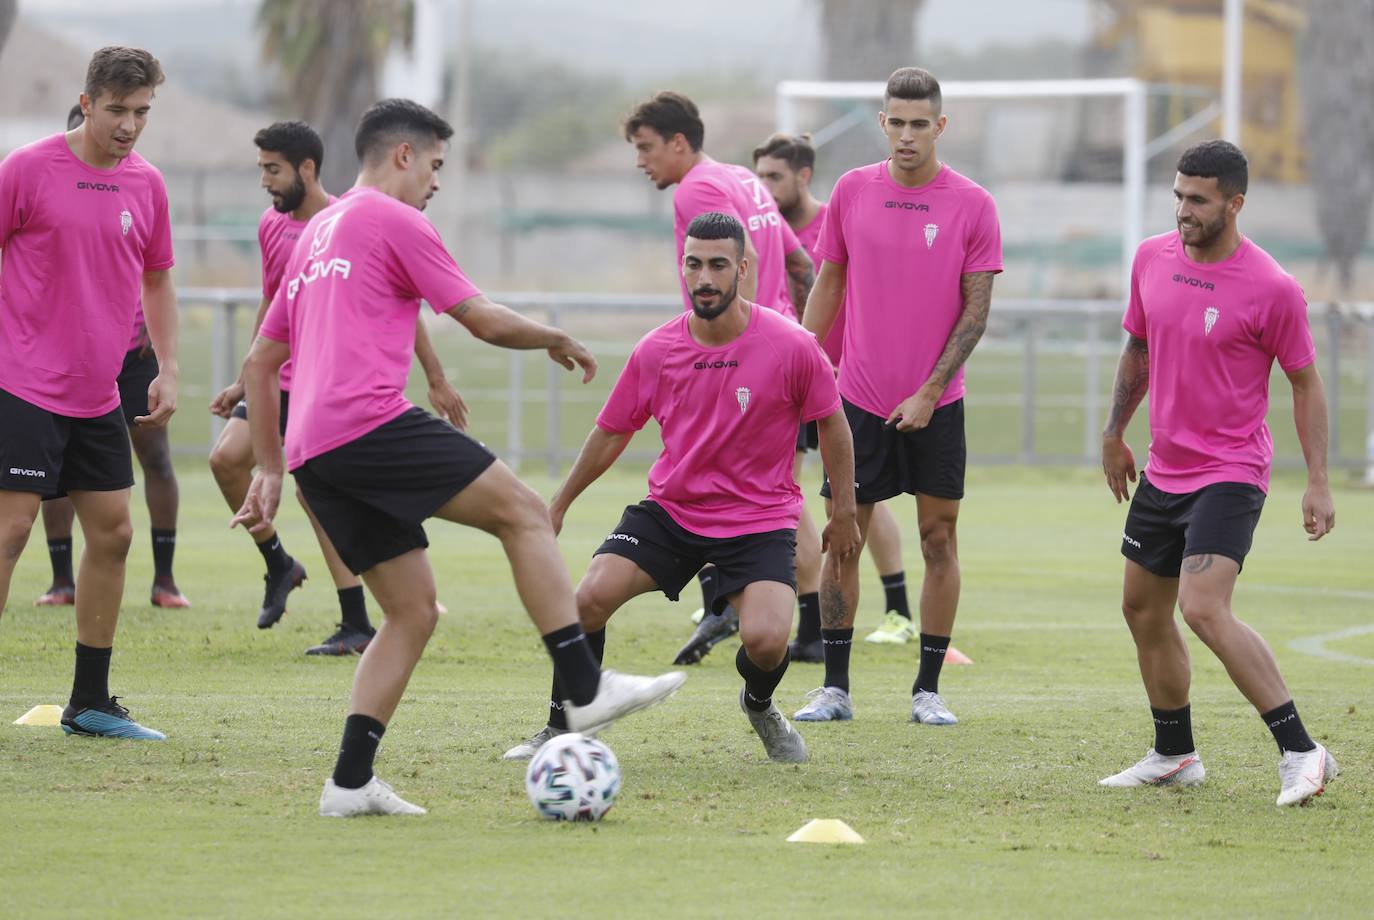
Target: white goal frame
[1136,146]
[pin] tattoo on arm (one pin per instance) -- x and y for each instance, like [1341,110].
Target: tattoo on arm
[1132,380]
[1194,565]
[833,610]
[976,290]
[801,276]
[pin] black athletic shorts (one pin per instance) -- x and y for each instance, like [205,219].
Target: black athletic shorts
[1163,528]
[372,494]
[51,454]
[808,437]
[672,555]
[888,462]
[241,411]
[137,374]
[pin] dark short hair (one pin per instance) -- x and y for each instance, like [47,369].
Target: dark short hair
[796,150]
[75,117]
[391,121]
[294,140]
[913,83]
[1220,160]
[668,113]
[714,225]
[121,70]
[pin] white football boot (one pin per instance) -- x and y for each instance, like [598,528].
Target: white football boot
[1156,769]
[618,696]
[1303,775]
[376,798]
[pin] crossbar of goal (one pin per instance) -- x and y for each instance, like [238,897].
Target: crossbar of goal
[1135,142]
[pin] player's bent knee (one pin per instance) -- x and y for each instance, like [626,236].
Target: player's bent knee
[1204,615]
[594,608]
[937,545]
[14,535]
[112,541]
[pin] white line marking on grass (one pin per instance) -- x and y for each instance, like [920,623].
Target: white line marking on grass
[1316,645]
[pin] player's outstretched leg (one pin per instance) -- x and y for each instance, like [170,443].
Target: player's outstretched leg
[107,532]
[58,517]
[765,617]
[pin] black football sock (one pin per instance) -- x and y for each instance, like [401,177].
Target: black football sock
[357,751]
[573,663]
[808,617]
[1173,731]
[558,718]
[1287,728]
[933,650]
[758,683]
[836,644]
[274,554]
[708,580]
[60,554]
[164,547]
[894,586]
[91,683]
[353,609]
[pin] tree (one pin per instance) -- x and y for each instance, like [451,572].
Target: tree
[331,53]
[1337,88]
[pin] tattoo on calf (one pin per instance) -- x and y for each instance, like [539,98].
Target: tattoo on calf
[1196,564]
[833,610]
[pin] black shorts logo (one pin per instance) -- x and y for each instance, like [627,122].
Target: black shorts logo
[32,474]
[633,541]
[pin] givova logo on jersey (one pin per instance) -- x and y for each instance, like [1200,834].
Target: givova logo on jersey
[320,267]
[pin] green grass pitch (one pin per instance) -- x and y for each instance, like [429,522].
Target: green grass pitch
[998,816]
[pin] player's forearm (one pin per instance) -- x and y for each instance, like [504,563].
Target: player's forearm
[1132,381]
[598,453]
[976,291]
[499,325]
[837,453]
[823,305]
[260,371]
[1309,414]
[160,315]
[801,277]
[428,357]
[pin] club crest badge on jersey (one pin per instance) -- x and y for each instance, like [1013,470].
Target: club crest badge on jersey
[1209,319]
[931,231]
[742,397]
[126,222]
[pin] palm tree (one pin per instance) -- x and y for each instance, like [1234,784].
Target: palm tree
[331,53]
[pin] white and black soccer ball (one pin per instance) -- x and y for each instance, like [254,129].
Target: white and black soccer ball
[573,778]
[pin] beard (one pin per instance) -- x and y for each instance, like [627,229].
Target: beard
[1206,234]
[292,198]
[723,304]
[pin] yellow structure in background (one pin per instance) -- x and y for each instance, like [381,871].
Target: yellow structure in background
[1180,42]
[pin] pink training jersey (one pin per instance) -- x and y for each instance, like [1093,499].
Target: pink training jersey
[347,305]
[905,250]
[77,241]
[810,238]
[1213,332]
[729,418]
[277,236]
[736,191]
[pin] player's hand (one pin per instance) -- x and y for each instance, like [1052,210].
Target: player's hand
[450,406]
[224,402]
[1318,510]
[573,354]
[914,412]
[162,401]
[1118,463]
[840,540]
[260,505]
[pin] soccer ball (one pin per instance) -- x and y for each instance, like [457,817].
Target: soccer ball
[573,778]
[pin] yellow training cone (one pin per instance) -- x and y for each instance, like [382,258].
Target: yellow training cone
[954,656]
[45,716]
[825,830]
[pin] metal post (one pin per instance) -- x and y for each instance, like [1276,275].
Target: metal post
[1092,432]
[515,410]
[223,358]
[555,410]
[1134,178]
[1333,383]
[1028,394]
[1232,68]
[786,113]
